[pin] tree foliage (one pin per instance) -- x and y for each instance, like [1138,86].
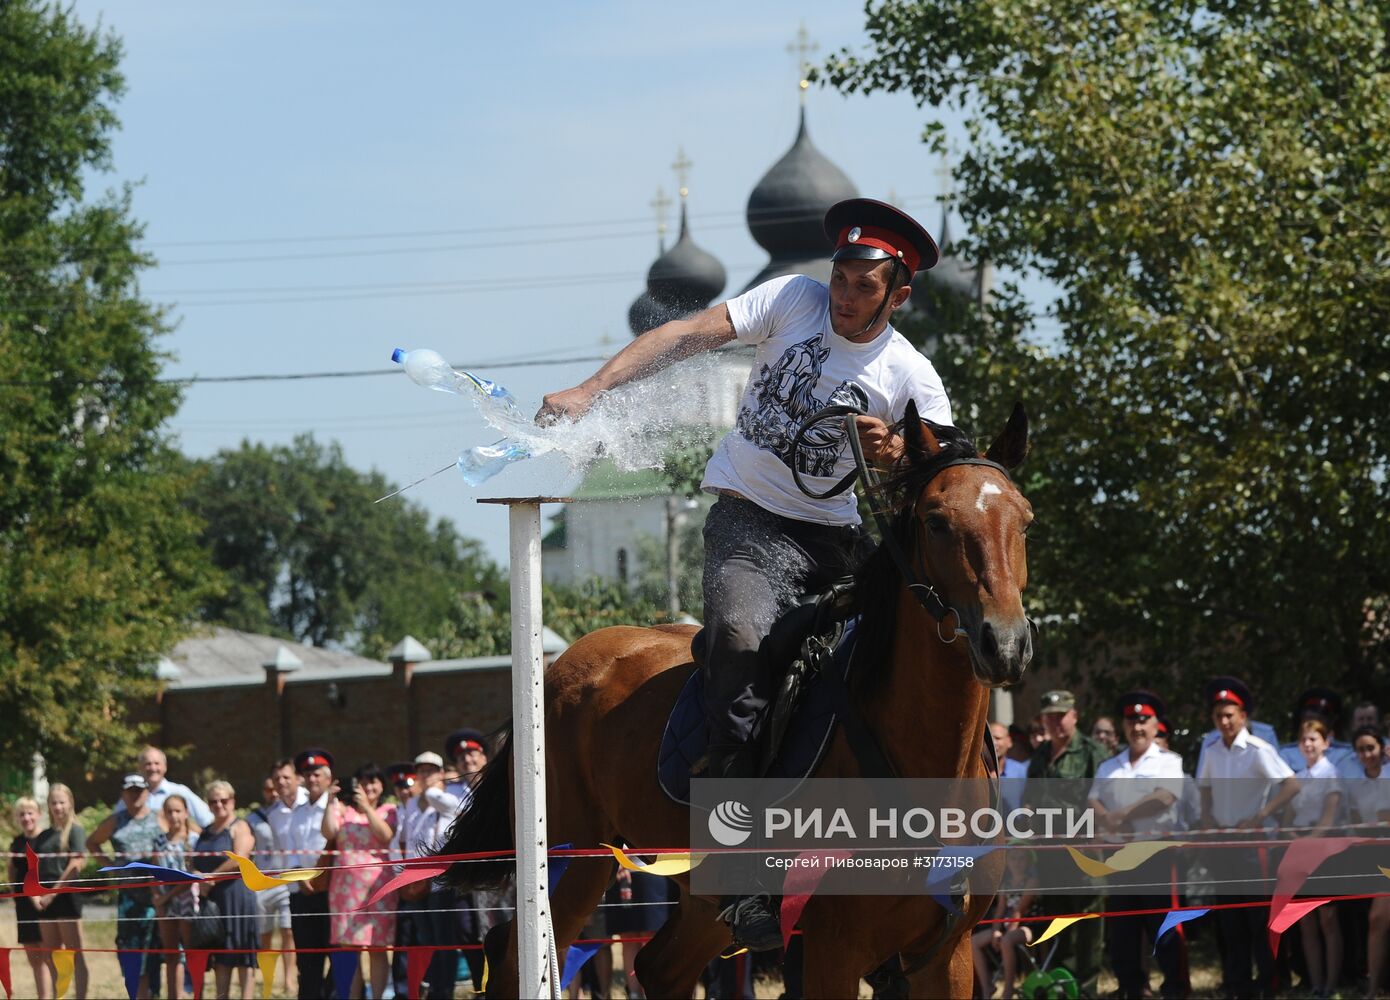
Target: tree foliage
[311,556]
[99,568]
[1206,184]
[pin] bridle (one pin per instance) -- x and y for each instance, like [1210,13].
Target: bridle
[918,584]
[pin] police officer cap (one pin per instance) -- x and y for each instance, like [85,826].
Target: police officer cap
[865,229]
[1140,702]
[463,739]
[400,774]
[1164,728]
[313,758]
[1321,700]
[1228,690]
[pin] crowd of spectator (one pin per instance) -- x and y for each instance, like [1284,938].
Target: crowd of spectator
[307,817]
[1239,784]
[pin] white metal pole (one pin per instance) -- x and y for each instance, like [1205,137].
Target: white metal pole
[528,734]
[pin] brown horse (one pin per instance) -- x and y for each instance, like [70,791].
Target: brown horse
[926,699]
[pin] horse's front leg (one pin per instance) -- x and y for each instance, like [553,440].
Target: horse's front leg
[831,968]
[951,974]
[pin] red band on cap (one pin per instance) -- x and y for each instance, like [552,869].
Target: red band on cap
[1131,710]
[467,745]
[1225,694]
[881,239]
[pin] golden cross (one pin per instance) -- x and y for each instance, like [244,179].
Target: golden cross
[802,48]
[682,168]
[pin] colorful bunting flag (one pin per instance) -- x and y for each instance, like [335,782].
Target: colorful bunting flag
[1172,919]
[63,965]
[1059,925]
[132,964]
[671,864]
[412,874]
[258,881]
[939,878]
[1126,859]
[1290,914]
[416,962]
[799,885]
[575,958]
[482,986]
[267,961]
[343,966]
[31,875]
[555,868]
[197,960]
[1300,861]
[5,972]
[166,874]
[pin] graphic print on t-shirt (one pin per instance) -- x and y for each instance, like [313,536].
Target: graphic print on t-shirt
[785,397]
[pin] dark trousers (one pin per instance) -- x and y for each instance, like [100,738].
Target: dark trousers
[1244,935]
[756,565]
[1124,939]
[438,926]
[311,925]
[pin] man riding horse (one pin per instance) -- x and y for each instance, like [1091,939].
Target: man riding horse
[766,541]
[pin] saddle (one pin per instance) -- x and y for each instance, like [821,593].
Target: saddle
[808,649]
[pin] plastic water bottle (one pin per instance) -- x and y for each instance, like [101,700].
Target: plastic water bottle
[427,368]
[478,465]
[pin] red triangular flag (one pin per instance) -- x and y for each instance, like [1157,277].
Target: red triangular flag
[411,875]
[417,961]
[1291,914]
[5,972]
[799,884]
[197,960]
[31,876]
[1300,861]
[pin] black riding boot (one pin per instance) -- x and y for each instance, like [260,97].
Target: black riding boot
[752,919]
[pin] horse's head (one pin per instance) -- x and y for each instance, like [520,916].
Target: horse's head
[967,523]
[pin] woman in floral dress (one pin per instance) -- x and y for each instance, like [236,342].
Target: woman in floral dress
[361,828]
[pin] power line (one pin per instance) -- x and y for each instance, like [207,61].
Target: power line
[306,376]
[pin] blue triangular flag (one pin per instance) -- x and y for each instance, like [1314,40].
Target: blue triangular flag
[166,874]
[556,867]
[1172,919]
[344,965]
[940,876]
[132,962]
[575,958]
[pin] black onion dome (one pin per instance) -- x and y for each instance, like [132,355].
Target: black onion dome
[951,272]
[685,279]
[787,208]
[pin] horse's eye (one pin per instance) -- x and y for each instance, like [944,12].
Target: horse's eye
[938,525]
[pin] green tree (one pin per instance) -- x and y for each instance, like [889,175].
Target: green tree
[1205,184]
[312,556]
[99,566]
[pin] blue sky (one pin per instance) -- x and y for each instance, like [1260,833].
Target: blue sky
[322,182]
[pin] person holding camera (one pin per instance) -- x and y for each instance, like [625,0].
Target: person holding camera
[359,826]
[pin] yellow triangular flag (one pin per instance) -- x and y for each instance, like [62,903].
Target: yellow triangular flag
[258,881]
[1059,925]
[482,986]
[733,954]
[1127,858]
[1384,871]
[266,960]
[671,864]
[62,961]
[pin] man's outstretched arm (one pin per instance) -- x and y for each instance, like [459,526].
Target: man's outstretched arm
[647,355]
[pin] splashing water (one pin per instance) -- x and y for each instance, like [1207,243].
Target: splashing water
[634,426]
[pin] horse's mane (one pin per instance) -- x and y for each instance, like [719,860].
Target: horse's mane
[877,581]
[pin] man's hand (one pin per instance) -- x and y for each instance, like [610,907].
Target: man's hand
[569,403]
[881,446]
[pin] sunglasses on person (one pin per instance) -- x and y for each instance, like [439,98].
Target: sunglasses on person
[220,802]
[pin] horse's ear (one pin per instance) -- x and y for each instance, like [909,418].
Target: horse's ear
[921,442]
[1011,446]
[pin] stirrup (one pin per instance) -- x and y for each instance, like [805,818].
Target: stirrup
[753,922]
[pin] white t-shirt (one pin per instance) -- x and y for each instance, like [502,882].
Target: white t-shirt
[1315,784]
[1240,776]
[803,366]
[1370,797]
[1119,783]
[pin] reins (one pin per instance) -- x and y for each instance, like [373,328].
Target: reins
[919,585]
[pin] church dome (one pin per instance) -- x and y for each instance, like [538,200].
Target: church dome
[646,313]
[786,209]
[685,279]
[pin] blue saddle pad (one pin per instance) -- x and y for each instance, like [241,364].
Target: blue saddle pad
[807,739]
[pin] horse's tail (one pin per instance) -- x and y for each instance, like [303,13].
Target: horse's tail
[484,825]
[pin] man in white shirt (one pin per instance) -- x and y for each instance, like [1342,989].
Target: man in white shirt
[765,540]
[154,765]
[304,843]
[1138,792]
[1236,776]
[270,823]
